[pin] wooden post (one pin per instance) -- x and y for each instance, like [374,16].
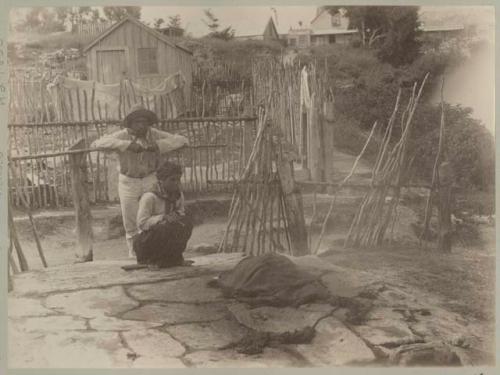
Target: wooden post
[81,203]
[294,210]
[315,155]
[247,140]
[304,138]
[445,207]
[10,285]
[328,142]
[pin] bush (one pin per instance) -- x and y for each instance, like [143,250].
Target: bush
[469,146]
[349,138]
[239,54]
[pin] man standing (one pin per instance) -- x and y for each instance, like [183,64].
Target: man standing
[139,147]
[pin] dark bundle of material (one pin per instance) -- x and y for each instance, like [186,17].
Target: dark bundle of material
[272,280]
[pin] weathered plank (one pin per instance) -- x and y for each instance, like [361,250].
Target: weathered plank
[81,202]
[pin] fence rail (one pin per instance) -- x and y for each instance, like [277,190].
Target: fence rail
[39,155]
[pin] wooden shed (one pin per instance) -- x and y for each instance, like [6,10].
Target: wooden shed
[130,49]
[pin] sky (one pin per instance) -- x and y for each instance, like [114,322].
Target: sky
[245,20]
[249,20]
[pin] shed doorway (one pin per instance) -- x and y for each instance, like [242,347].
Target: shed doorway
[111,65]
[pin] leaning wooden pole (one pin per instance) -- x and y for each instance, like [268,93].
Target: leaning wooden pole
[32,221]
[445,178]
[23,263]
[435,175]
[294,209]
[342,183]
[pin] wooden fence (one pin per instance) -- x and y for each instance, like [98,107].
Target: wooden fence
[91,28]
[46,99]
[39,158]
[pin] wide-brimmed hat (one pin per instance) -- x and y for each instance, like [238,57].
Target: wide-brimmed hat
[139,111]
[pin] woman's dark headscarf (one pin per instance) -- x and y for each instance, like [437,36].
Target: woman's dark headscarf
[168,169]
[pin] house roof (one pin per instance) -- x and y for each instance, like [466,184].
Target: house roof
[271,28]
[442,28]
[319,14]
[257,26]
[334,31]
[155,33]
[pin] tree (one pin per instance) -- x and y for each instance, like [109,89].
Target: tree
[158,22]
[116,14]
[174,26]
[400,45]
[392,29]
[95,15]
[42,20]
[175,21]
[213,25]
[76,15]
[212,22]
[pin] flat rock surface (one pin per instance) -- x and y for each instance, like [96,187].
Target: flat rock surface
[164,362]
[230,358]
[95,315]
[68,350]
[275,319]
[344,284]
[21,307]
[92,302]
[425,354]
[106,323]
[50,324]
[193,289]
[177,313]
[386,332]
[335,345]
[153,344]
[211,335]
[108,273]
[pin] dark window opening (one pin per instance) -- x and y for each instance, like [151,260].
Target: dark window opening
[336,20]
[331,39]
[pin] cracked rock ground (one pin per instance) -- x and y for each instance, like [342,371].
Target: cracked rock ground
[95,315]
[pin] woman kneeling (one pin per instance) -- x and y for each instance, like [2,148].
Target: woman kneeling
[164,227]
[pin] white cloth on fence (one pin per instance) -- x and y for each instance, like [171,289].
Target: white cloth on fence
[305,103]
[305,93]
[63,91]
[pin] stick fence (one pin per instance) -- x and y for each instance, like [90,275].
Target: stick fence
[39,155]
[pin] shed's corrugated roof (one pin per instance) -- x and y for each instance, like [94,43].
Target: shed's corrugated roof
[141,25]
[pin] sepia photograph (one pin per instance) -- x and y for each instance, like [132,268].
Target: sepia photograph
[242,186]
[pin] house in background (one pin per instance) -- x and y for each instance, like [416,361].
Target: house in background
[269,33]
[172,31]
[324,29]
[327,29]
[299,37]
[331,29]
[442,31]
[130,49]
